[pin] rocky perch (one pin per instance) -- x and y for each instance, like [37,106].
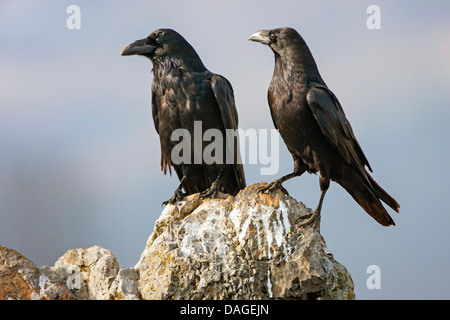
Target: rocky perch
[246,247]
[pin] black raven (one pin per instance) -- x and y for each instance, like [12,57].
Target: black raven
[184,92]
[314,127]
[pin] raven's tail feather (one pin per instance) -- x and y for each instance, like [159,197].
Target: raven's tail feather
[383,195]
[368,196]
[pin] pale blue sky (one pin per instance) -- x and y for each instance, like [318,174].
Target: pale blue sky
[80,157]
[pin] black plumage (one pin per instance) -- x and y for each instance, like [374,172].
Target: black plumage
[185,91]
[314,127]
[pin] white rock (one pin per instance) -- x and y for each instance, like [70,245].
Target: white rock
[247,247]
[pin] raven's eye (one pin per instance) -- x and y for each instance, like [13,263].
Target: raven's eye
[273,37]
[157,40]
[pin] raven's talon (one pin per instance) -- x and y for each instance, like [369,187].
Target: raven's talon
[314,219]
[177,196]
[165,203]
[272,187]
[208,194]
[211,192]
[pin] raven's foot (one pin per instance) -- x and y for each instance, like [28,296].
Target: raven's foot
[178,195]
[276,184]
[314,219]
[211,191]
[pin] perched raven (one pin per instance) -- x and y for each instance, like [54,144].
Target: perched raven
[184,92]
[314,127]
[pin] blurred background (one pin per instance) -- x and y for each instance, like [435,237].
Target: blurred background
[80,158]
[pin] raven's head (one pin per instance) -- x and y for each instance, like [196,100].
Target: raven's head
[163,45]
[289,48]
[280,40]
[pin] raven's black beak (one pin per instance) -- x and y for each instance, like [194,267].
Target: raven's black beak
[261,36]
[139,47]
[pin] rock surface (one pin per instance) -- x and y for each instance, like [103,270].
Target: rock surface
[19,277]
[251,246]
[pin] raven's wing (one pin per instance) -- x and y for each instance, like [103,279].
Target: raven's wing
[331,118]
[223,93]
[155,112]
[163,132]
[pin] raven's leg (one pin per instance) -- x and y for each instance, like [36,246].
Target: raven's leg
[215,187]
[178,194]
[299,169]
[324,181]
